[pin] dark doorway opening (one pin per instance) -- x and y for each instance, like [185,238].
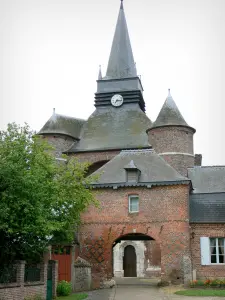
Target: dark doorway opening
[130,262]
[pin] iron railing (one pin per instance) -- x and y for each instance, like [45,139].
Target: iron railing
[8,274]
[32,274]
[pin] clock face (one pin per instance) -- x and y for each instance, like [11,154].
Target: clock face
[117,100]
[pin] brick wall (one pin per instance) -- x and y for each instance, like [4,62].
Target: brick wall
[198,159]
[205,230]
[179,162]
[175,145]
[163,216]
[171,139]
[59,142]
[94,157]
[20,289]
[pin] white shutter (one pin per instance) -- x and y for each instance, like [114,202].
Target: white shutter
[205,251]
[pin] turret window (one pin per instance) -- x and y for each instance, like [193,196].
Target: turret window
[133,203]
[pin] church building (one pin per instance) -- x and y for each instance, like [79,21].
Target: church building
[161,212]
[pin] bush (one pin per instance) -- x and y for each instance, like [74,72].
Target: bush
[207,283]
[64,288]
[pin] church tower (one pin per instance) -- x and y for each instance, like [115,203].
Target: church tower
[119,121]
[172,137]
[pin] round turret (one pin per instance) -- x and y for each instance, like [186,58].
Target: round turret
[172,137]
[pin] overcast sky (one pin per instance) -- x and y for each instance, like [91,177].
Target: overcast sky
[50,51]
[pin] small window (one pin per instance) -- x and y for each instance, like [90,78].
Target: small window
[133,204]
[217,246]
[132,176]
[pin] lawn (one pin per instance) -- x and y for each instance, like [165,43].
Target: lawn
[202,292]
[74,297]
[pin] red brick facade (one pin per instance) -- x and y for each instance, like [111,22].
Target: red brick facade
[205,230]
[163,216]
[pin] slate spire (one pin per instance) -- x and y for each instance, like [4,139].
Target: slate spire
[121,61]
[169,114]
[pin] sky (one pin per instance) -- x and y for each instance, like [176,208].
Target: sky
[50,52]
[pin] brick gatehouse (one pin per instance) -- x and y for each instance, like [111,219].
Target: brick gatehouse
[161,213]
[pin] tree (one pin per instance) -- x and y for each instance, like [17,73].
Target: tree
[40,197]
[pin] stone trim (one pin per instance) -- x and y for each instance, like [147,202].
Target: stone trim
[176,153]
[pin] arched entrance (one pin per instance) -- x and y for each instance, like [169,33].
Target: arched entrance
[130,262]
[136,255]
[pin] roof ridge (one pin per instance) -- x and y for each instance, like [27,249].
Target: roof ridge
[60,115]
[138,151]
[213,166]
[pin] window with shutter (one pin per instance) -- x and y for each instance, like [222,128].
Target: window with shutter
[212,250]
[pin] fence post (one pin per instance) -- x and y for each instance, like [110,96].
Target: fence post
[73,252]
[20,270]
[54,264]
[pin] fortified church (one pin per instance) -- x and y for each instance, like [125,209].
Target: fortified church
[161,213]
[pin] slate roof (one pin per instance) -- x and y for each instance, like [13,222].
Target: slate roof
[114,128]
[154,170]
[207,200]
[121,61]
[207,208]
[208,179]
[59,124]
[169,115]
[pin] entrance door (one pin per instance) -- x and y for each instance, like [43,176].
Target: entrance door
[130,262]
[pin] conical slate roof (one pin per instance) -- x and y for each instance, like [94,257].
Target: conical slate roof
[169,115]
[63,125]
[121,61]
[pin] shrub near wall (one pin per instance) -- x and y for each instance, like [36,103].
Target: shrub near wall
[208,283]
[64,288]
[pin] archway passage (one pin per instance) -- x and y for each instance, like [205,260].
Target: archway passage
[130,262]
[136,255]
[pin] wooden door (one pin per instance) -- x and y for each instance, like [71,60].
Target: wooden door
[64,257]
[130,262]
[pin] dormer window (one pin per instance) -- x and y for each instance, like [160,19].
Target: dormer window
[132,172]
[132,176]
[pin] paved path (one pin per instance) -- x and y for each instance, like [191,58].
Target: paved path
[142,290]
[150,293]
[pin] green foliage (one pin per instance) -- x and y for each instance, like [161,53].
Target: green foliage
[208,283]
[64,288]
[202,293]
[41,198]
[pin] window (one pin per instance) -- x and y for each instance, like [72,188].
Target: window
[217,250]
[132,176]
[133,204]
[212,250]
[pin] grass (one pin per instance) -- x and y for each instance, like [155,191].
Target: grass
[201,292]
[74,297]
